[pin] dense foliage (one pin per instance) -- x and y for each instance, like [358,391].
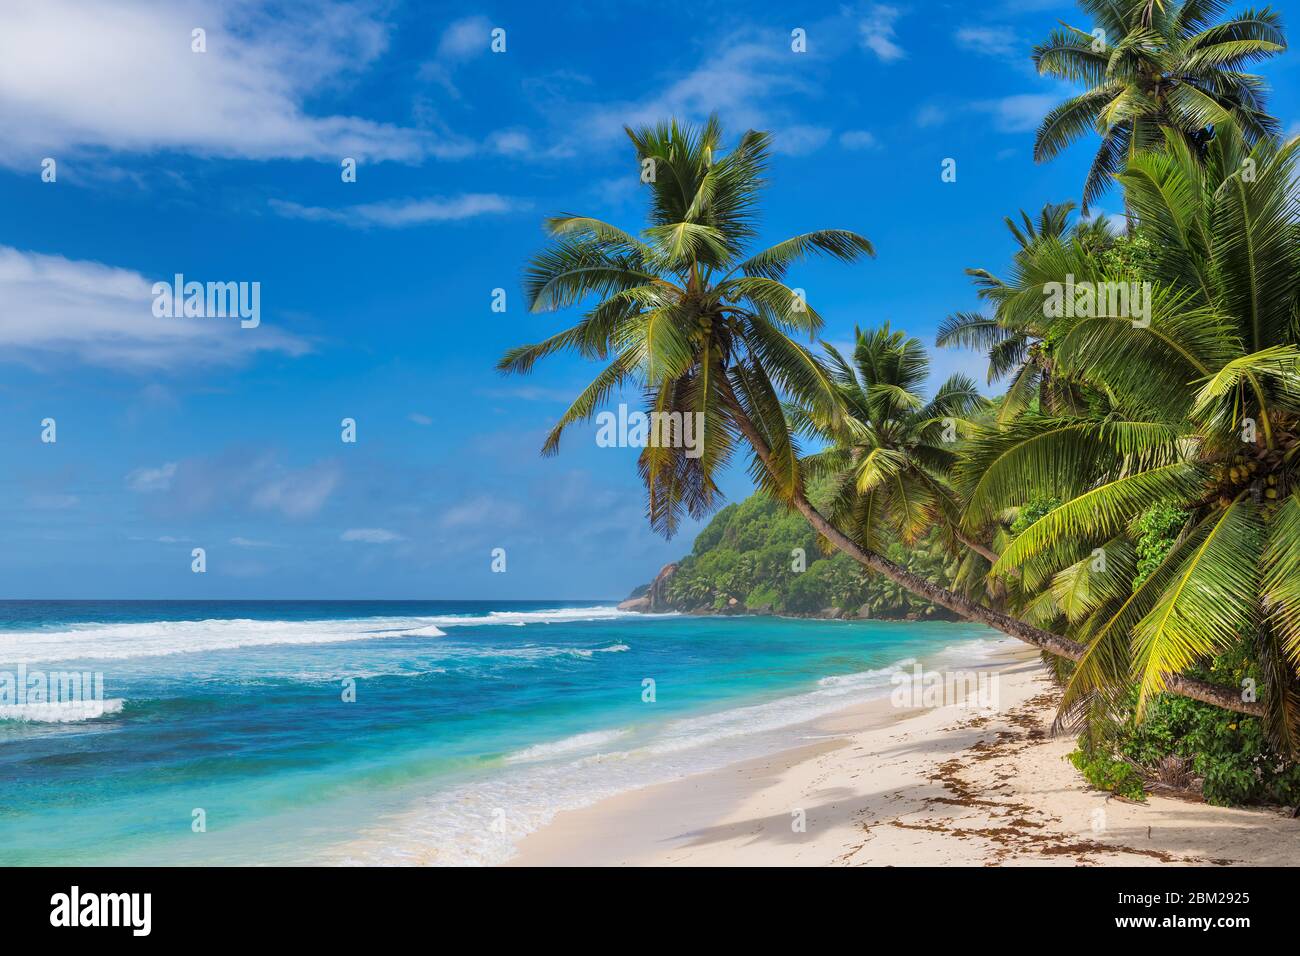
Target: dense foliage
[1184,743]
[750,552]
[1130,504]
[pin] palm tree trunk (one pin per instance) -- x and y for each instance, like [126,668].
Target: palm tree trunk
[982,550]
[1226,697]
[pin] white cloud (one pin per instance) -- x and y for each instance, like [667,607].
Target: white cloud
[465,38]
[928,116]
[298,494]
[475,512]
[800,140]
[529,393]
[992,40]
[949,361]
[461,41]
[858,139]
[399,213]
[741,72]
[745,76]
[1019,113]
[370,535]
[101,315]
[243,480]
[420,419]
[152,479]
[876,33]
[510,142]
[250,543]
[80,74]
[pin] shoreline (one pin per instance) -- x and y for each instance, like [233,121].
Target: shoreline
[879,785]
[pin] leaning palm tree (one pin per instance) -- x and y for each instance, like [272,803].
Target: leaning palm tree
[704,327]
[1198,410]
[891,452]
[1016,336]
[1155,65]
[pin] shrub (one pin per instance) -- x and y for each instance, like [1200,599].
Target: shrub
[1229,751]
[1107,772]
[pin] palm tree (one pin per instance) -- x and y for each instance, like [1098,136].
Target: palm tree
[703,327]
[1017,335]
[1199,410]
[684,313]
[890,455]
[1157,65]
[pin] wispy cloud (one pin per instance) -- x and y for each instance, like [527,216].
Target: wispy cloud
[465,38]
[990,40]
[858,139]
[510,142]
[52,308]
[241,483]
[876,33]
[401,213]
[297,494]
[461,41]
[931,115]
[152,479]
[1019,113]
[53,502]
[370,535]
[959,361]
[528,393]
[482,510]
[749,76]
[800,140]
[739,73]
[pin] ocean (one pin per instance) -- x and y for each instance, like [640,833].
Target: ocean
[393,732]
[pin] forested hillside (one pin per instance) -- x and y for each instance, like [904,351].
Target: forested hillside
[746,560]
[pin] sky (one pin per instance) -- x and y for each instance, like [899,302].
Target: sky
[376,295]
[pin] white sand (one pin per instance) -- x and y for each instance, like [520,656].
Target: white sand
[879,785]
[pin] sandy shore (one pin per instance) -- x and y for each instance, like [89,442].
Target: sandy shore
[880,785]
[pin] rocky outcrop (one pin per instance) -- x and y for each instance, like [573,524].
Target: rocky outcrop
[652,598]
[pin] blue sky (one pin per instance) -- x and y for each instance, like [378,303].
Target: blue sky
[376,295]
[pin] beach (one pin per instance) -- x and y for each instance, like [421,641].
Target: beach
[442,733]
[400,733]
[876,785]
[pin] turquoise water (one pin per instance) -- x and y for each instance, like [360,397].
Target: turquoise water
[472,723]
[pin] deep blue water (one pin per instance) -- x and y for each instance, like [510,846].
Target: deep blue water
[472,722]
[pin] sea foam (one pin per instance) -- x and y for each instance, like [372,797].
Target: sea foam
[61,712]
[480,823]
[96,641]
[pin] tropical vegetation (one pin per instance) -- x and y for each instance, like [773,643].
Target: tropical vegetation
[1130,506]
[745,561]
[1152,68]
